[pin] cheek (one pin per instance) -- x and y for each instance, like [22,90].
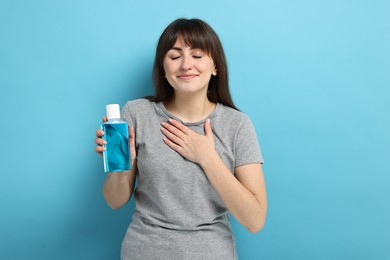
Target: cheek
[168,68]
[168,72]
[165,67]
[208,66]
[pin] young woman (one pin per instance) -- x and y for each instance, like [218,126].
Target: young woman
[196,157]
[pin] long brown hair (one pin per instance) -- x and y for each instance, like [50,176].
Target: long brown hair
[197,34]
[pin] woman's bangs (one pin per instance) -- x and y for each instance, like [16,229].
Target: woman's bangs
[196,39]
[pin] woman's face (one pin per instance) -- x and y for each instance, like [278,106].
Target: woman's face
[188,70]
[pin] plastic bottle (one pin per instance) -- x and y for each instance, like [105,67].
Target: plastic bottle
[116,157]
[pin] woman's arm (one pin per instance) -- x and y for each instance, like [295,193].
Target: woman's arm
[119,186]
[244,194]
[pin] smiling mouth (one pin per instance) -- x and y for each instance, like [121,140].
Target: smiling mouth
[187,76]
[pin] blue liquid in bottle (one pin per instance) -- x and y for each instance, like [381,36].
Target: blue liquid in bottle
[116,157]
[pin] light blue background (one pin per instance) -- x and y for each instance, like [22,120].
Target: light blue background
[313,76]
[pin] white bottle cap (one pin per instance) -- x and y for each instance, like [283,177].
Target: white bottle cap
[113,112]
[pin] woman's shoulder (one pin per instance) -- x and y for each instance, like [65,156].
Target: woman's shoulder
[138,108]
[235,122]
[138,105]
[231,114]
[139,102]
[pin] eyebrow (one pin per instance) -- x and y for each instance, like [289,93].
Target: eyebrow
[177,49]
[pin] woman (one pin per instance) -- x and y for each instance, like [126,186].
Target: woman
[197,156]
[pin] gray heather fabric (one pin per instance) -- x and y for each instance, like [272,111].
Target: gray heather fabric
[178,214]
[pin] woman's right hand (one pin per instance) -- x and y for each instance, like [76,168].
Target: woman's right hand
[100,143]
[99,140]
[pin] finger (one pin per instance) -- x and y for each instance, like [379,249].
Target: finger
[100,141]
[132,144]
[172,145]
[99,149]
[172,137]
[104,119]
[207,128]
[131,133]
[179,126]
[174,130]
[99,133]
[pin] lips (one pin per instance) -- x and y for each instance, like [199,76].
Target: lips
[187,76]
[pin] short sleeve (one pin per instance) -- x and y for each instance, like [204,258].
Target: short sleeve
[126,115]
[246,145]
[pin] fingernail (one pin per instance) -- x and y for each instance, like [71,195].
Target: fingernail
[170,120]
[208,120]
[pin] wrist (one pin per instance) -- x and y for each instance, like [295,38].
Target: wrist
[209,159]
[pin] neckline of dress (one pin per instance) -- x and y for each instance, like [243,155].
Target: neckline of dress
[170,115]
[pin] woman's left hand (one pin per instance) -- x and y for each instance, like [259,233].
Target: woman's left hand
[191,145]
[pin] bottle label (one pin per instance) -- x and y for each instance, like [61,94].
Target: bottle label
[116,157]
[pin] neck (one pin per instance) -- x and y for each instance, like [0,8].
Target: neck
[190,109]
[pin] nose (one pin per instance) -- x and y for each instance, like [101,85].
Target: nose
[186,63]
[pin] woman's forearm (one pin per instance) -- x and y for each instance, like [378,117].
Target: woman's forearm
[118,188]
[249,209]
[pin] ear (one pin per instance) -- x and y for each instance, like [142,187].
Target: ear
[214,72]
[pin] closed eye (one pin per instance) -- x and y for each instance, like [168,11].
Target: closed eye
[175,57]
[197,57]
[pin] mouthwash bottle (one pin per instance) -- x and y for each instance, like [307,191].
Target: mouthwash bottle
[116,157]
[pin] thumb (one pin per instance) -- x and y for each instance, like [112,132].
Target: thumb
[207,128]
[132,143]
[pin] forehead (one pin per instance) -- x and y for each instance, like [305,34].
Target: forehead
[181,42]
